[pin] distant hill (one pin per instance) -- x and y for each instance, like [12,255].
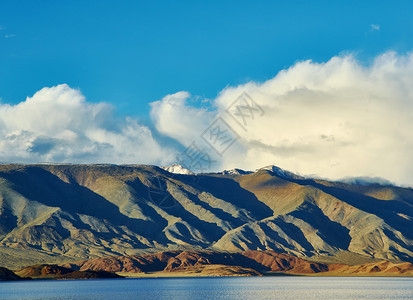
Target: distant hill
[62,213]
[246,263]
[250,263]
[58,272]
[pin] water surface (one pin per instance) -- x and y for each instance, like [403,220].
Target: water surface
[214,288]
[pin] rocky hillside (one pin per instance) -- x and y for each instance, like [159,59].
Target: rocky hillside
[175,261]
[62,213]
[43,271]
[59,272]
[247,263]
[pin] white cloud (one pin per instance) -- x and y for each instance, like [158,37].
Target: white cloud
[9,36]
[332,119]
[173,117]
[375,27]
[58,125]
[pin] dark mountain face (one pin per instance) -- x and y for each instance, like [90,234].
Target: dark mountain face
[7,275]
[57,213]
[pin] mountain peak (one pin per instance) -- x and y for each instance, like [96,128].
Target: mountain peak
[235,172]
[281,172]
[177,169]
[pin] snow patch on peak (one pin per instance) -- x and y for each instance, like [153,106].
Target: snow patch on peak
[235,172]
[177,169]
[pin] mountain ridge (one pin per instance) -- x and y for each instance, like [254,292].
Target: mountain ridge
[64,212]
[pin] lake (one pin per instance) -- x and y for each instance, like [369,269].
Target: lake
[280,287]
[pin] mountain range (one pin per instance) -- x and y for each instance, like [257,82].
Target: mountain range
[58,213]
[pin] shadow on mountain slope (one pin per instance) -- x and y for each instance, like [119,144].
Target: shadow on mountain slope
[331,232]
[42,186]
[385,209]
[230,191]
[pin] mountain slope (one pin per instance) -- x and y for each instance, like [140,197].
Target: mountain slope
[70,212]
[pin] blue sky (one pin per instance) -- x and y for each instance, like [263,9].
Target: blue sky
[130,53]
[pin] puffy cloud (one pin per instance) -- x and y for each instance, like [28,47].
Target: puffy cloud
[332,119]
[174,117]
[58,125]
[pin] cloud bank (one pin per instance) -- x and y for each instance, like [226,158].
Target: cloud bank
[332,119]
[58,125]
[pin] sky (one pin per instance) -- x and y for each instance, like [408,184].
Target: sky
[144,81]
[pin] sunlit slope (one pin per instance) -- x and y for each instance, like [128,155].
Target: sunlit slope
[313,216]
[88,211]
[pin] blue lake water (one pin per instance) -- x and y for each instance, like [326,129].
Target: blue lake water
[214,288]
